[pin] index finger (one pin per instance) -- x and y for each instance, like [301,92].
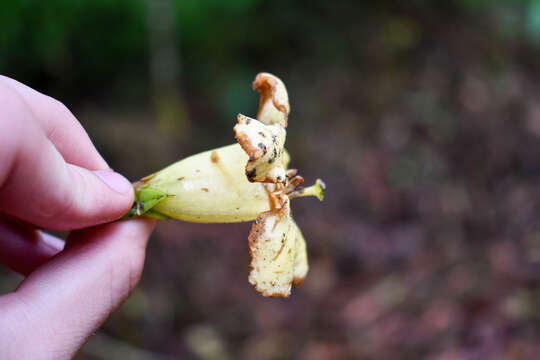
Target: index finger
[60,127]
[39,187]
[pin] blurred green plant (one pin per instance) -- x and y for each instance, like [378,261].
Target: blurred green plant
[78,43]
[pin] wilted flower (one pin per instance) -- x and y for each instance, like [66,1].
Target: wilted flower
[242,182]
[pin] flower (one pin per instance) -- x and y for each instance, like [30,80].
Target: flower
[242,182]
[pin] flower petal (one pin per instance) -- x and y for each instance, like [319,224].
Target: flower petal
[209,187]
[301,266]
[274,105]
[264,146]
[272,241]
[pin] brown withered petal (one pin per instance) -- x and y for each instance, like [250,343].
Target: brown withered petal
[272,242]
[274,105]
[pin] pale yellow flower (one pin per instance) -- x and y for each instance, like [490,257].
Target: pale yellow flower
[242,182]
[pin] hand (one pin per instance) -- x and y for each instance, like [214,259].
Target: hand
[52,177]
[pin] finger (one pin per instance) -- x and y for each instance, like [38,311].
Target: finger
[23,248]
[60,304]
[60,126]
[38,186]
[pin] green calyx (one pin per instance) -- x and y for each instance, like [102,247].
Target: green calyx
[145,199]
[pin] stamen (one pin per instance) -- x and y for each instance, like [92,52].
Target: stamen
[293,184]
[291,172]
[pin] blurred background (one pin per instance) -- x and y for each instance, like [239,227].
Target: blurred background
[423,118]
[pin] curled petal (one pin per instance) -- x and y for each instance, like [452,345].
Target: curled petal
[301,266]
[264,146]
[274,105]
[272,242]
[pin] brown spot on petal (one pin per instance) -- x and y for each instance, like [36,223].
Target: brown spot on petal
[282,245]
[242,139]
[148,178]
[297,281]
[251,174]
[214,157]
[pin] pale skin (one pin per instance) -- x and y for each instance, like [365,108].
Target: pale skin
[53,178]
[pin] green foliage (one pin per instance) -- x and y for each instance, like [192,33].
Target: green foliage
[533,21]
[82,42]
